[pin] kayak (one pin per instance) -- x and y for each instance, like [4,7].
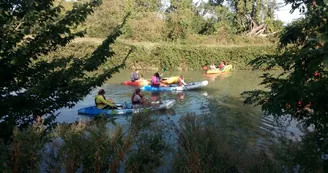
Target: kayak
[136,83]
[226,68]
[127,108]
[189,86]
[171,80]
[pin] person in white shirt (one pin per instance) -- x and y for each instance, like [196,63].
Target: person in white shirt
[213,67]
[181,81]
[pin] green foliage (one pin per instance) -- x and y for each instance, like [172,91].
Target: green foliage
[146,5]
[191,57]
[25,151]
[199,149]
[301,90]
[250,13]
[177,27]
[201,146]
[105,18]
[175,56]
[32,85]
[150,145]
[182,21]
[92,146]
[149,27]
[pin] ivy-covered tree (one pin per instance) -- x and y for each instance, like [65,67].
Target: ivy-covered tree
[255,16]
[301,90]
[31,84]
[179,17]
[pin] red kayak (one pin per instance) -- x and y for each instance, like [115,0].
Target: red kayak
[136,83]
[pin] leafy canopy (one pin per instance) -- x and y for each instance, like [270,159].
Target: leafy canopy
[33,85]
[301,90]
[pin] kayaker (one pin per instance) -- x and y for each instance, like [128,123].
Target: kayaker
[137,98]
[213,67]
[156,80]
[135,75]
[205,67]
[222,65]
[181,81]
[101,101]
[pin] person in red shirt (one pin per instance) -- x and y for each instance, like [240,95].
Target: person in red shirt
[222,65]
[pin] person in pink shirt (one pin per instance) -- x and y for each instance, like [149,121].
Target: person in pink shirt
[222,65]
[155,80]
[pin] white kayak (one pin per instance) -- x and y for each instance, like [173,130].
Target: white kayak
[175,87]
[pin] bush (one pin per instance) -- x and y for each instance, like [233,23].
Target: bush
[173,56]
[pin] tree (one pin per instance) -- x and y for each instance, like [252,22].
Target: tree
[31,84]
[179,17]
[301,90]
[253,16]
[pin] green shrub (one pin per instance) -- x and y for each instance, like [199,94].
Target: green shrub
[173,56]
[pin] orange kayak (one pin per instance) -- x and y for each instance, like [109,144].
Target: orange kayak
[136,83]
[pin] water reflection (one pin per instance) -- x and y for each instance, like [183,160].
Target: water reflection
[219,76]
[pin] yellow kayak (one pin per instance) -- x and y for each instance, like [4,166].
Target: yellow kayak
[226,68]
[171,80]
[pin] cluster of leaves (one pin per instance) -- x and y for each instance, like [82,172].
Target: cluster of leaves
[182,19]
[31,85]
[174,56]
[208,143]
[89,146]
[301,90]
[192,58]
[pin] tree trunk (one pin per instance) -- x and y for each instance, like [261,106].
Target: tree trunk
[257,30]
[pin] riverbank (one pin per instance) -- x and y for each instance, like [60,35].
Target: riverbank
[173,56]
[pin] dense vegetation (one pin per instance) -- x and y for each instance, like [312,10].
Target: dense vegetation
[180,26]
[41,75]
[183,20]
[205,143]
[33,85]
[301,89]
[172,56]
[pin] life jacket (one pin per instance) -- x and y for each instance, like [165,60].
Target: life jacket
[99,103]
[154,80]
[221,66]
[132,98]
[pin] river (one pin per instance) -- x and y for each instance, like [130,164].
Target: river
[222,96]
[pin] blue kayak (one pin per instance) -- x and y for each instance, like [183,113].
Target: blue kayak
[189,86]
[127,108]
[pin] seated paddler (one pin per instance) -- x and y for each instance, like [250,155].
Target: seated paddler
[102,103]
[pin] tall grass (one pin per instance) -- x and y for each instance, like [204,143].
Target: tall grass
[200,146]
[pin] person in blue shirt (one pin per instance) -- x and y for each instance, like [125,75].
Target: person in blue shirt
[135,75]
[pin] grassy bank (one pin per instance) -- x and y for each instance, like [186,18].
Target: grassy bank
[149,55]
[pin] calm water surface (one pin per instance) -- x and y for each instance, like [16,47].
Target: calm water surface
[222,96]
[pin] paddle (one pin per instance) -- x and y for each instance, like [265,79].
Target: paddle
[163,70]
